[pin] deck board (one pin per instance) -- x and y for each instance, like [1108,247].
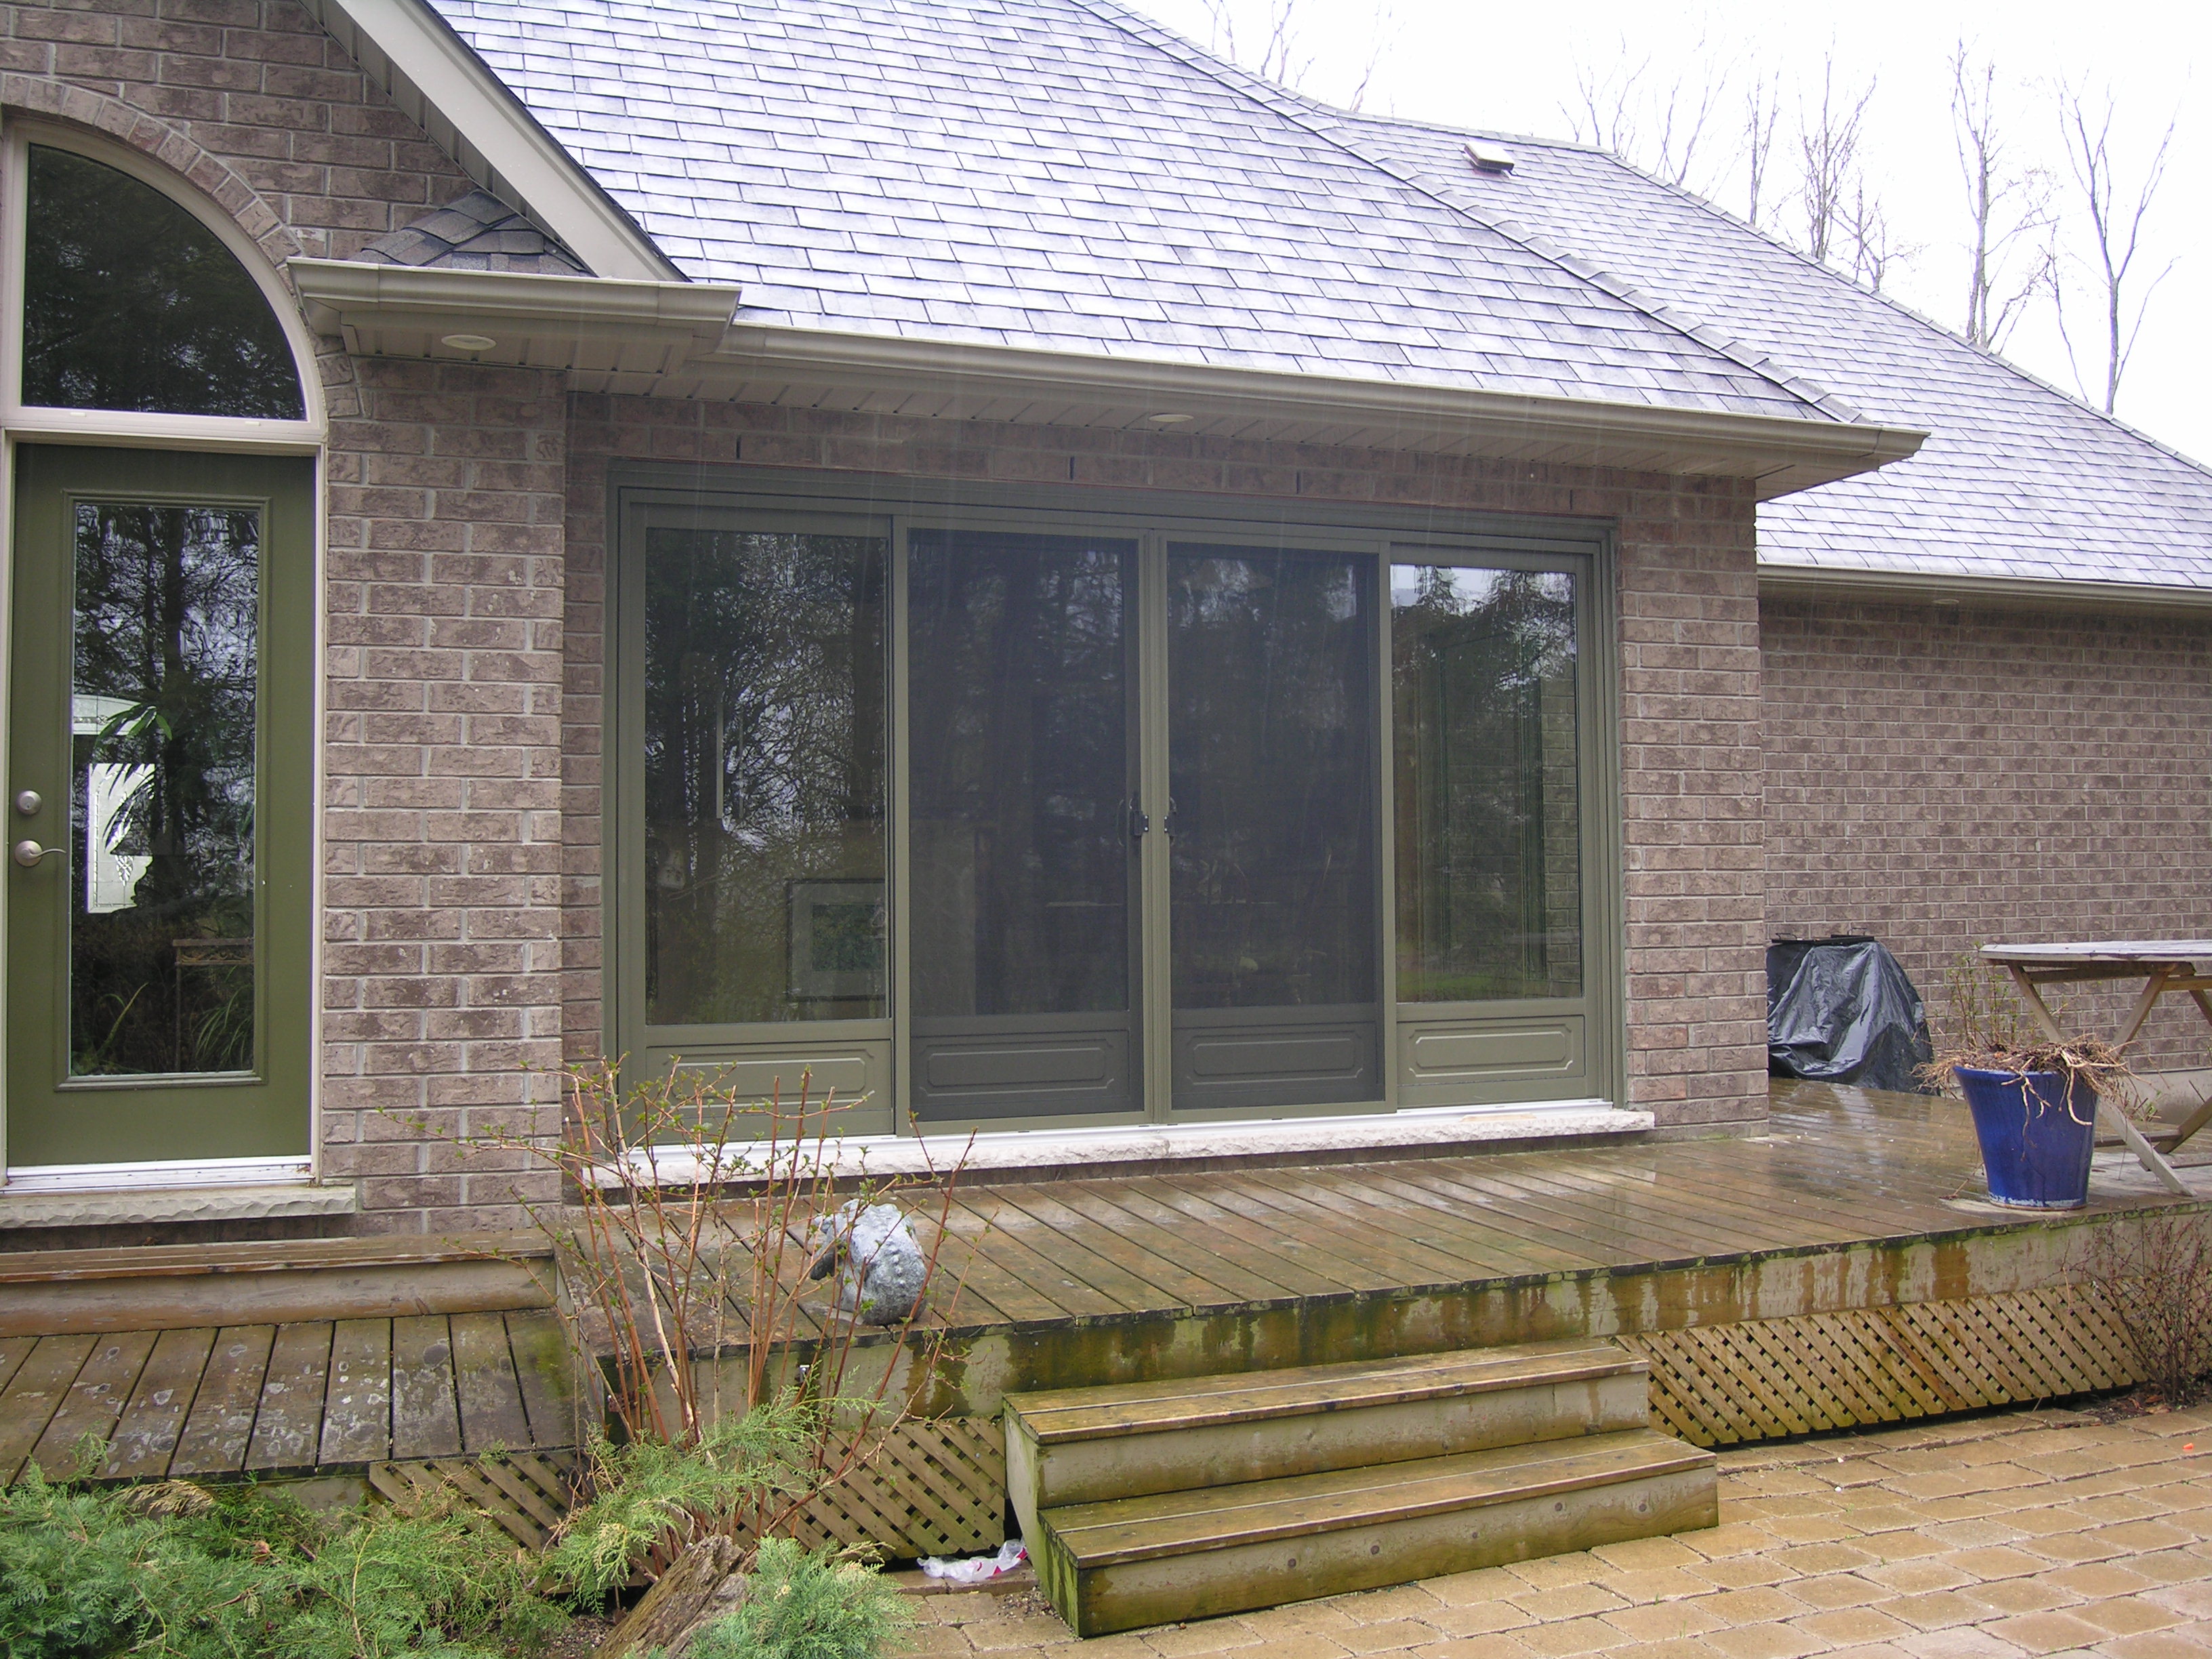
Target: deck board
[220,1426]
[146,1438]
[35,1394]
[288,1428]
[95,1401]
[356,1425]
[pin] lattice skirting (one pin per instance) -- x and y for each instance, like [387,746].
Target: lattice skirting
[1763,1379]
[936,1487]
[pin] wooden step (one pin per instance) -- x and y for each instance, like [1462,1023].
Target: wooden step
[184,1286]
[1092,1445]
[1195,1554]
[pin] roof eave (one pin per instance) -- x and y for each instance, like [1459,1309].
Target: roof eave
[1924,588]
[675,339]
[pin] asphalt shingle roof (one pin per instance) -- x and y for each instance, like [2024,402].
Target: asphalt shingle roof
[2016,479]
[1031,172]
[1063,175]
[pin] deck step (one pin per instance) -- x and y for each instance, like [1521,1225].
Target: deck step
[1153,1502]
[1090,1445]
[185,1286]
[1175,1556]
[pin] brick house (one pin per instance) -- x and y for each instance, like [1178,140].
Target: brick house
[979,553]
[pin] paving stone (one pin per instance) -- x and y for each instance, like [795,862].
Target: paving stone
[2047,1633]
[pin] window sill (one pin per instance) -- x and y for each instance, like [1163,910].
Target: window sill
[1143,1149]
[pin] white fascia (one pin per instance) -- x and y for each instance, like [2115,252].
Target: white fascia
[431,73]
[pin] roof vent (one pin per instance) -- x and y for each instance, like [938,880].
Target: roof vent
[1489,157]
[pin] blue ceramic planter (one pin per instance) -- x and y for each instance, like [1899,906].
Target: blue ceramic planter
[2037,1136]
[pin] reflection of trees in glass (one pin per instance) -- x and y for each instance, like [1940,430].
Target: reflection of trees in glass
[1270,746]
[764,686]
[1488,823]
[1019,711]
[166,667]
[129,302]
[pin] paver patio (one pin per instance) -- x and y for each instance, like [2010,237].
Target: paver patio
[2030,1532]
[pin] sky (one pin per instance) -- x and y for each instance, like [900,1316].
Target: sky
[1515,69]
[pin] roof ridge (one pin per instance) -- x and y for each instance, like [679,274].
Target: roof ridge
[1296,108]
[1736,221]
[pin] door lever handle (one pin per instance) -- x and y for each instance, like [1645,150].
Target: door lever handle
[28,852]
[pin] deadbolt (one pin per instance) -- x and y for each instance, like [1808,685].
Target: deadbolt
[28,801]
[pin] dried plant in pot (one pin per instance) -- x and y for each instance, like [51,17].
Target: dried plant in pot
[2034,1099]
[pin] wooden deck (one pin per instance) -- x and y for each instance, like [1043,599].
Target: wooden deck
[1850,1201]
[324,1396]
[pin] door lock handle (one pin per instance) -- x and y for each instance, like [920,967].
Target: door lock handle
[1140,822]
[28,852]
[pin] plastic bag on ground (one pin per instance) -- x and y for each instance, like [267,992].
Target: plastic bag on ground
[1842,1010]
[975,1569]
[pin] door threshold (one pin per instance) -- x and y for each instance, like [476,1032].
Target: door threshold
[201,1189]
[1022,1155]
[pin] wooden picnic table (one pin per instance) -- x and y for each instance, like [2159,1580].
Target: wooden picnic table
[2164,966]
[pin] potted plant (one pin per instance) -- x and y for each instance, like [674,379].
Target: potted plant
[2033,1099]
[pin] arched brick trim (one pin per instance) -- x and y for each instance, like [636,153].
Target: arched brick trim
[163,143]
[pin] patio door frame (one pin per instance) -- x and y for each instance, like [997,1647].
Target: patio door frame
[640,495]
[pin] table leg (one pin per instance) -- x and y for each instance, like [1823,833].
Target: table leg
[2154,989]
[2146,1154]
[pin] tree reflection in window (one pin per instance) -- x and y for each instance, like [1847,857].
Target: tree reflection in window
[1488,813]
[163,716]
[132,303]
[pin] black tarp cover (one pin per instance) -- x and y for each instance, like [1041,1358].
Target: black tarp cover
[1841,1010]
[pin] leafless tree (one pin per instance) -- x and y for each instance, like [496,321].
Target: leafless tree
[1762,104]
[1662,129]
[1828,157]
[1865,231]
[2009,252]
[1272,50]
[2117,212]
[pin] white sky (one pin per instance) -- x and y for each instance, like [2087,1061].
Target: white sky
[1510,68]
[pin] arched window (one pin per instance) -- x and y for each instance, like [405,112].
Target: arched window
[130,303]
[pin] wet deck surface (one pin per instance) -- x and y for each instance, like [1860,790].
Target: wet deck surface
[270,1400]
[1837,1167]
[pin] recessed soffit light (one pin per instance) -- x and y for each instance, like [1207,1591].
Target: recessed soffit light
[1170,419]
[468,342]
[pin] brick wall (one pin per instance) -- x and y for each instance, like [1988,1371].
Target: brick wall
[1942,777]
[249,99]
[1689,675]
[442,827]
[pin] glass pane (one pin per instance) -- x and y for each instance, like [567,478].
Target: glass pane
[764,684]
[129,302]
[163,719]
[1489,823]
[1020,735]
[1271,735]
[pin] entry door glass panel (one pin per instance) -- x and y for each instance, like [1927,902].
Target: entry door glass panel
[163,716]
[1023,865]
[764,710]
[1488,821]
[1273,880]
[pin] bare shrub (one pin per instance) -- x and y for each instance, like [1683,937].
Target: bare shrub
[2154,1279]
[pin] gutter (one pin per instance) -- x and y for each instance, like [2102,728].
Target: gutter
[1785,581]
[680,339]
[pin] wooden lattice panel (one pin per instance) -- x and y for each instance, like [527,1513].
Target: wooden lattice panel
[936,1487]
[527,1494]
[1763,1379]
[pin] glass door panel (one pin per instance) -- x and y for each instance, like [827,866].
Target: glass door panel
[763,707]
[1272,906]
[1488,819]
[1023,863]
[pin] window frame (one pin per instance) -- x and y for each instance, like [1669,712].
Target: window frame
[134,426]
[640,491]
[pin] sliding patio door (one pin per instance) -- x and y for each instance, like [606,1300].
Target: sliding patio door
[1272,826]
[1023,869]
[990,816]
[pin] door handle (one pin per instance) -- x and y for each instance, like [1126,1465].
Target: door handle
[1139,823]
[28,852]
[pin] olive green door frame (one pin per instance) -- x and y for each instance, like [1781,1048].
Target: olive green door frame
[872,1056]
[254,1100]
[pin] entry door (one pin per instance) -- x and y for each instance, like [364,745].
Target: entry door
[160,759]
